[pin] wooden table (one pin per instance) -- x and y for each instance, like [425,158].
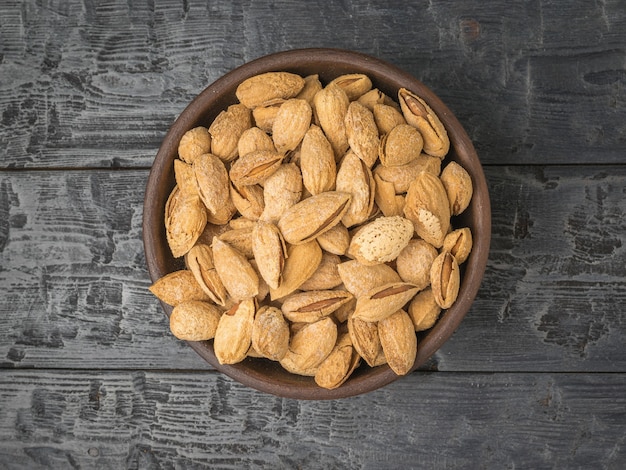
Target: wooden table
[90,376]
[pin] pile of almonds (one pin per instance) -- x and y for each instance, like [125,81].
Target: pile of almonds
[315,225]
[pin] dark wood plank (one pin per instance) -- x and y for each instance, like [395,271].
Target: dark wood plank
[554,295]
[98,83]
[73,277]
[74,281]
[111,419]
[89,83]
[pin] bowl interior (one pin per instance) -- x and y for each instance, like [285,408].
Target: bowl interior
[265,375]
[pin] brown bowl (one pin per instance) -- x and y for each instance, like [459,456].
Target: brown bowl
[265,375]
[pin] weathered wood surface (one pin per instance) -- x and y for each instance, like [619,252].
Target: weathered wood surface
[97,84]
[535,377]
[139,420]
[75,292]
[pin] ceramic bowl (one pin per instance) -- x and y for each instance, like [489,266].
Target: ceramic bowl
[265,375]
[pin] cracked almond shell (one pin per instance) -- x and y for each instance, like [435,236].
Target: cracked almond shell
[185,220]
[311,306]
[237,274]
[302,261]
[269,252]
[427,206]
[418,114]
[398,341]
[310,345]
[359,279]
[233,336]
[458,184]
[227,128]
[199,261]
[445,279]
[313,216]
[177,287]
[384,300]
[270,333]
[339,364]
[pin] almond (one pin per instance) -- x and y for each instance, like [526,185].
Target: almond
[381,240]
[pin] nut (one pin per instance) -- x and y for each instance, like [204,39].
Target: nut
[365,339]
[390,203]
[269,252]
[326,276]
[417,113]
[226,130]
[355,178]
[214,188]
[381,240]
[185,219]
[317,162]
[193,143]
[177,287]
[459,244]
[387,117]
[248,200]
[253,139]
[359,279]
[458,184]
[335,240]
[424,310]
[267,88]
[194,320]
[331,106]
[302,261]
[312,85]
[362,133]
[199,261]
[233,336]
[445,279]
[400,146]
[270,333]
[427,206]
[237,274]
[255,167]
[290,124]
[414,262]
[353,84]
[313,216]
[240,239]
[313,305]
[402,176]
[276,196]
[383,301]
[339,364]
[310,346]
[398,340]
[281,190]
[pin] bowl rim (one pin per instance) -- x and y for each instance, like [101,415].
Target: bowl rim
[161,176]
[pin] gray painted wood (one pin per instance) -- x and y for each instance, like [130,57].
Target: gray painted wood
[427,420]
[75,281]
[98,84]
[535,377]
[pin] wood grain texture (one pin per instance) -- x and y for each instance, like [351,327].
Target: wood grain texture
[87,83]
[90,377]
[135,420]
[75,282]
[554,295]
[73,274]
